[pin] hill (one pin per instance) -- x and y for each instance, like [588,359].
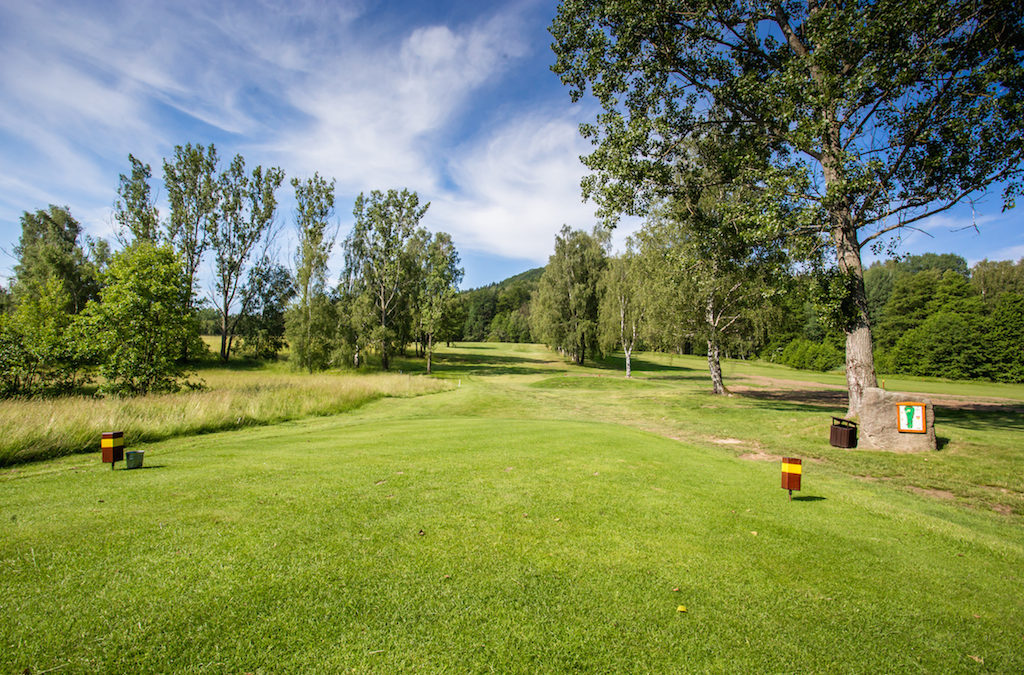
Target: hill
[500,312]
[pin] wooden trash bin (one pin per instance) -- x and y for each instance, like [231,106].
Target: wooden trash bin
[843,433]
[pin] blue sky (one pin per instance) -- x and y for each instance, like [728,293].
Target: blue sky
[451,98]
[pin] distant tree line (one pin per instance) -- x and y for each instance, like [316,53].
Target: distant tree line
[671,290]
[77,312]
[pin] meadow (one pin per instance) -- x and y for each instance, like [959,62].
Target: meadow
[524,515]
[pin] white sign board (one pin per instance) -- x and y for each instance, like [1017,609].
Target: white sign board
[910,418]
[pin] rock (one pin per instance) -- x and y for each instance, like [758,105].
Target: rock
[879,423]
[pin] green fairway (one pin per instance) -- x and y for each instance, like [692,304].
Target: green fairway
[535,517]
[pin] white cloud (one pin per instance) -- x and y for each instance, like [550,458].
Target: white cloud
[380,113]
[517,188]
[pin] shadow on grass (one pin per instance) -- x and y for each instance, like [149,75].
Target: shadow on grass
[234,364]
[492,364]
[982,416]
[809,498]
[807,399]
[639,365]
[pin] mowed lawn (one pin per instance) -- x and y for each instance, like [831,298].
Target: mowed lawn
[535,517]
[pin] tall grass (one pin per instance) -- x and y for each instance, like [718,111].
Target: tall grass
[41,429]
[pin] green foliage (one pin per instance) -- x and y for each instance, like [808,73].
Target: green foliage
[380,267]
[311,322]
[946,344]
[565,307]
[262,329]
[1004,345]
[808,355]
[994,278]
[135,210]
[624,300]
[918,296]
[41,349]
[49,248]
[142,320]
[192,191]
[880,278]
[441,275]
[245,214]
[500,311]
[855,119]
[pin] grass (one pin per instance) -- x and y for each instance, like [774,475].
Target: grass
[245,394]
[533,517]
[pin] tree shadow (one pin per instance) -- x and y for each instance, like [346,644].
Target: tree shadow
[808,399]
[480,364]
[639,365]
[982,416]
[240,364]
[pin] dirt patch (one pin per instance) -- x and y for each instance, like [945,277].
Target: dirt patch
[727,441]
[1004,509]
[760,457]
[930,492]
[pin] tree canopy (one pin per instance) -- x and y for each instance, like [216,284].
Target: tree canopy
[871,116]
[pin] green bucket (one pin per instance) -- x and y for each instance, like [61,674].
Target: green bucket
[133,459]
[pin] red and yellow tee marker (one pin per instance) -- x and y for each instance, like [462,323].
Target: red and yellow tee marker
[112,447]
[792,469]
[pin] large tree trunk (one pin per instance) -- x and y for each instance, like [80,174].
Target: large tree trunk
[860,358]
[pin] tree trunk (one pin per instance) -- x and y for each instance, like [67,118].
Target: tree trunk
[430,350]
[715,367]
[629,369]
[860,359]
[714,362]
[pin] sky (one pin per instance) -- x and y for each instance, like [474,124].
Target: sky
[451,98]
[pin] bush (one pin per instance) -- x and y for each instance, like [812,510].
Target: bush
[142,321]
[807,355]
[946,345]
[40,348]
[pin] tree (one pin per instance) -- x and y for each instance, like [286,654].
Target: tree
[377,269]
[49,249]
[623,304]
[565,311]
[710,287]
[192,190]
[880,278]
[40,350]
[1005,343]
[994,278]
[141,320]
[263,327]
[441,277]
[135,209]
[245,215]
[875,115]
[311,322]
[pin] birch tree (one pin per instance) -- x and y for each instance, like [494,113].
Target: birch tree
[376,266]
